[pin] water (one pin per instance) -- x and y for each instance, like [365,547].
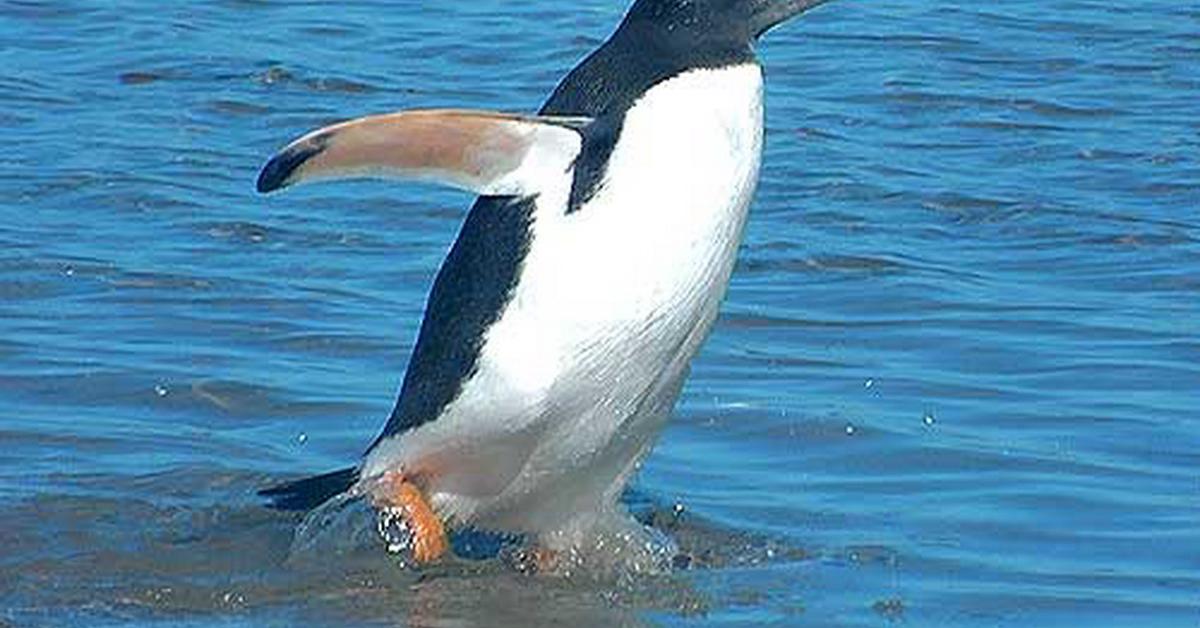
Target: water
[956,380]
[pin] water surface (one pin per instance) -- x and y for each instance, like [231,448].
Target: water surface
[956,380]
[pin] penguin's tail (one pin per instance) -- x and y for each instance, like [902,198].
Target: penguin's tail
[308,493]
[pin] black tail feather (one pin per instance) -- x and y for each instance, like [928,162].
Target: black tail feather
[311,492]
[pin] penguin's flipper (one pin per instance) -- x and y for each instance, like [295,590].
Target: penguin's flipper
[485,152]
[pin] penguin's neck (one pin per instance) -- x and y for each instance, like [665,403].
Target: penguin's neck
[631,63]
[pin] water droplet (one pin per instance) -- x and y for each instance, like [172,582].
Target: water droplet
[394,530]
[161,390]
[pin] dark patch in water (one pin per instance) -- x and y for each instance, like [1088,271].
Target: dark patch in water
[140,77]
[239,108]
[279,75]
[891,609]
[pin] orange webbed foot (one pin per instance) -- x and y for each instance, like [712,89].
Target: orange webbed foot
[402,502]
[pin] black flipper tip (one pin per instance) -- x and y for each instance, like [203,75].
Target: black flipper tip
[281,169]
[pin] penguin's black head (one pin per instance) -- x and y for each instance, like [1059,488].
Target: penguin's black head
[725,21]
[659,39]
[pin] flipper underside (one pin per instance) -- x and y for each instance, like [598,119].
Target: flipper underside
[486,152]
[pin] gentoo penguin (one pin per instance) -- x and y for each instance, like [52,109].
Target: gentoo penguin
[560,328]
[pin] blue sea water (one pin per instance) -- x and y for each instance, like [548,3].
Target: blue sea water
[956,380]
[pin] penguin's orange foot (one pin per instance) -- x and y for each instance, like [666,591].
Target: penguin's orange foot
[402,505]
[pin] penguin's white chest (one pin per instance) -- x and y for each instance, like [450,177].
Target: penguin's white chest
[616,289]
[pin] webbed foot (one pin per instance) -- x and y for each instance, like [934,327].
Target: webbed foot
[407,521]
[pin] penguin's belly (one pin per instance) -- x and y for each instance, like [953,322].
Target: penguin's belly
[579,373]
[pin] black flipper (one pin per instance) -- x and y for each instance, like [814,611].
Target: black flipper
[311,492]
